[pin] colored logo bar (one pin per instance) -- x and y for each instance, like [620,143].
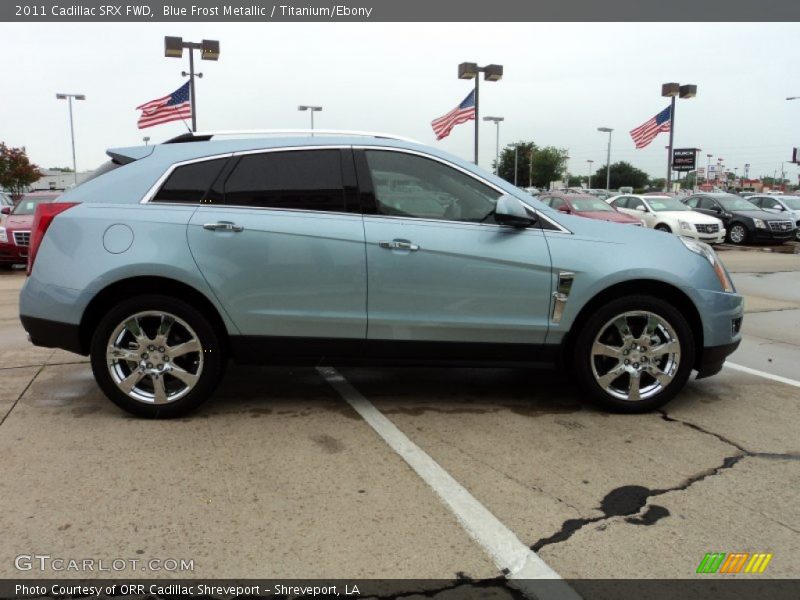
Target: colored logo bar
[734,562]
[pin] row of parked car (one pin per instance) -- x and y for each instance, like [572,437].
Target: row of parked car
[708,217]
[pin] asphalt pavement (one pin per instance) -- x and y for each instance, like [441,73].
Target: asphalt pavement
[423,473]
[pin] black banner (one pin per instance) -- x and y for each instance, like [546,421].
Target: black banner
[405,11]
[706,587]
[684,159]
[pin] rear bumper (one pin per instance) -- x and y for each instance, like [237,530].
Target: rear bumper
[714,357]
[53,334]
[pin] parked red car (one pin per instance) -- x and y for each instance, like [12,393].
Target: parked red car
[584,205]
[15,234]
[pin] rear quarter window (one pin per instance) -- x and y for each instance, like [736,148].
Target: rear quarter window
[188,184]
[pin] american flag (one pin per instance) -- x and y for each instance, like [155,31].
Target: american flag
[460,114]
[174,107]
[644,134]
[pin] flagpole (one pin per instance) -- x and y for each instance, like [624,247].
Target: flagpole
[191,88]
[477,117]
[671,134]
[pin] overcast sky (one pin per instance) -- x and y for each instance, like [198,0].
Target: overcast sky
[561,82]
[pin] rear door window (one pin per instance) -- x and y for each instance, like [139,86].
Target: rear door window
[289,180]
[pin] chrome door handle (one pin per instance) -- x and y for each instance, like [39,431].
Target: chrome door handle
[223,226]
[399,245]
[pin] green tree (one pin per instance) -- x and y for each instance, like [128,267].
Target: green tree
[523,155]
[659,183]
[622,174]
[16,171]
[548,164]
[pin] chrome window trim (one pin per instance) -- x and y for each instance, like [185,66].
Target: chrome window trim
[561,228]
[160,181]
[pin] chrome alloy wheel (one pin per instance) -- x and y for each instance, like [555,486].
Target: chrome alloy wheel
[737,234]
[635,356]
[154,357]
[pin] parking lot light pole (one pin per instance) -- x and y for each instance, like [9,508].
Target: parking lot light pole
[589,184]
[209,50]
[607,130]
[146,140]
[708,168]
[496,121]
[68,98]
[490,73]
[312,110]
[672,91]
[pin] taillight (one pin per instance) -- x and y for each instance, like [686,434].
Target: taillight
[44,215]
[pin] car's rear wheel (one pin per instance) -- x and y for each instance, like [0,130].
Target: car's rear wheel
[635,354]
[156,356]
[737,234]
[663,227]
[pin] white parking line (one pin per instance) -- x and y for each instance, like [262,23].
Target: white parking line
[506,550]
[764,374]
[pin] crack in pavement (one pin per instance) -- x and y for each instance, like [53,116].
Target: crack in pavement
[629,500]
[503,473]
[21,394]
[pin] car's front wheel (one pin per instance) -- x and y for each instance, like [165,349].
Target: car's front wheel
[634,354]
[663,227]
[156,356]
[737,233]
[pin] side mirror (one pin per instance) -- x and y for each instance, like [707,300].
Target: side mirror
[6,210]
[641,208]
[510,211]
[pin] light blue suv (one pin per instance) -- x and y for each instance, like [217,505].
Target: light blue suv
[357,249]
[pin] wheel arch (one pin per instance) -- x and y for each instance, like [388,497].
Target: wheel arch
[650,287]
[126,288]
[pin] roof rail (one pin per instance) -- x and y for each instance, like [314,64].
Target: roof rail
[202,136]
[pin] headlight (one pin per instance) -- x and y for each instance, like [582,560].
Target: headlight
[3,235]
[759,223]
[685,225]
[708,253]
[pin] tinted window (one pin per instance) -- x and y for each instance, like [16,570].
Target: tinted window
[189,183]
[635,202]
[408,185]
[557,203]
[707,203]
[692,202]
[621,202]
[292,180]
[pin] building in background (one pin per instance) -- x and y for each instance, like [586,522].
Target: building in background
[57,180]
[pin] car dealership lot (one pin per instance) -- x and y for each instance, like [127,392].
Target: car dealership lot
[279,476]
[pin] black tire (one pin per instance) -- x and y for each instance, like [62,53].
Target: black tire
[211,359]
[733,236]
[663,227]
[586,364]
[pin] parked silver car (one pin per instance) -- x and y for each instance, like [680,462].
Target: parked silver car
[357,249]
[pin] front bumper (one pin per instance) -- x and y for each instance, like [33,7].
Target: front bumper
[13,254]
[714,357]
[767,235]
[708,238]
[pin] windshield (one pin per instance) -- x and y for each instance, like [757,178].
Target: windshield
[590,204]
[734,203]
[27,206]
[659,204]
[793,202]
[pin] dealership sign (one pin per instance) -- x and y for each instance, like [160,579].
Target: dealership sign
[683,159]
